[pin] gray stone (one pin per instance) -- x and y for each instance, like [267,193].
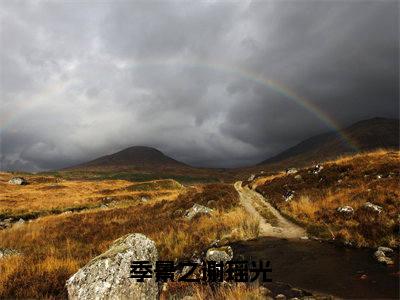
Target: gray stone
[6,223]
[5,252]
[346,210]
[291,171]
[288,195]
[144,199]
[373,207]
[381,257]
[220,254]
[251,177]
[108,275]
[20,222]
[280,297]
[385,250]
[18,181]
[197,209]
[298,177]
[317,169]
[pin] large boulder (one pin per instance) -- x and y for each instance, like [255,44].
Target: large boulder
[196,210]
[18,181]
[108,275]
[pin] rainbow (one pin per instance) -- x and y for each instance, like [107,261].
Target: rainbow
[277,87]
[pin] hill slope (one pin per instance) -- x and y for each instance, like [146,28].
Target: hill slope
[367,182]
[367,135]
[133,158]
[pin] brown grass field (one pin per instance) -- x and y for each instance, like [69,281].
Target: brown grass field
[54,247]
[46,195]
[353,180]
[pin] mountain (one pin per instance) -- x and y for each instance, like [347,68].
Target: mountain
[366,135]
[137,158]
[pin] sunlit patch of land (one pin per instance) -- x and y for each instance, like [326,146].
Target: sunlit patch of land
[347,181]
[54,247]
[47,195]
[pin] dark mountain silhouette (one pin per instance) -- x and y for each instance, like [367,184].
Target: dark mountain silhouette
[133,158]
[366,135]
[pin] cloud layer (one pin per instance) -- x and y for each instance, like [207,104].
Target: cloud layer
[84,79]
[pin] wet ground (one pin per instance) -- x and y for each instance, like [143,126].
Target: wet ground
[324,267]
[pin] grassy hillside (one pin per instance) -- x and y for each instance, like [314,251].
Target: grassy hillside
[365,135]
[347,181]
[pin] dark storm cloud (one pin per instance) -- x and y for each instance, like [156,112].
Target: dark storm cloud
[83,79]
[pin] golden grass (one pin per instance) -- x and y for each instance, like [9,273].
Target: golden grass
[349,180]
[54,247]
[48,193]
[236,291]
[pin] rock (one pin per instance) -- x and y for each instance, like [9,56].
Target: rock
[291,171]
[4,252]
[103,206]
[108,275]
[220,254]
[196,210]
[20,221]
[298,177]
[304,238]
[317,168]
[372,207]
[280,297]
[381,257]
[346,210]
[251,177]
[385,250]
[18,181]
[378,176]
[6,223]
[144,199]
[288,195]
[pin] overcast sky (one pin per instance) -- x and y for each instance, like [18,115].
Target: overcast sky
[81,79]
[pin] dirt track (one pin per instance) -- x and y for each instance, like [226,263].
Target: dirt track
[285,228]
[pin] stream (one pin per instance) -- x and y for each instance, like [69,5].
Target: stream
[324,267]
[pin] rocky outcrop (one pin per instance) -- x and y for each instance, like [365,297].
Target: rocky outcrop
[108,275]
[18,181]
[196,210]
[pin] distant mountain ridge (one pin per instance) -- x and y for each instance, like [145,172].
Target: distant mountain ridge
[367,135]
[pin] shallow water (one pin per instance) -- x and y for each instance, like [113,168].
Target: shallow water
[324,267]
